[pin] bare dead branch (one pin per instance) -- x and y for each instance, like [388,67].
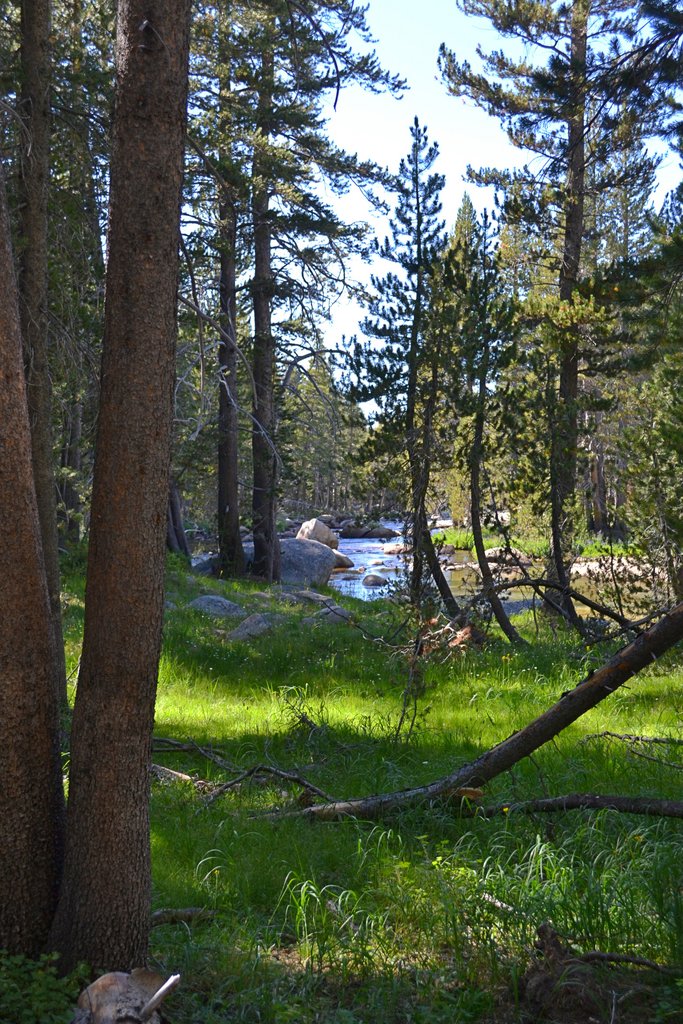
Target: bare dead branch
[583,801]
[264,769]
[595,956]
[626,737]
[169,775]
[572,705]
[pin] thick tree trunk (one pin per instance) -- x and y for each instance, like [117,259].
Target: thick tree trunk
[104,907]
[595,688]
[265,464]
[35,157]
[31,797]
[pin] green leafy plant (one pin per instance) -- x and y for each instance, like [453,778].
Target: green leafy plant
[31,992]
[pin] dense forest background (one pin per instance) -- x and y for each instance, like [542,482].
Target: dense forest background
[537,343]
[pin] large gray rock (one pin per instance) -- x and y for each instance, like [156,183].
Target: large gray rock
[342,561]
[504,557]
[219,607]
[315,529]
[397,549]
[254,625]
[310,597]
[372,580]
[333,615]
[205,565]
[306,562]
[353,532]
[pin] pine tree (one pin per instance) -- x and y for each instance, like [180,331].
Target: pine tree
[484,318]
[551,109]
[398,365]
[292,245]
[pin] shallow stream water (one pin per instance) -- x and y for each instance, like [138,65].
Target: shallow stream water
[369,556]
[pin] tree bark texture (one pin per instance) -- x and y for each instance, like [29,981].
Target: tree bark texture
[33,289]
[564,442]
[104,908]
[594,689]
[31,797]
[265,463]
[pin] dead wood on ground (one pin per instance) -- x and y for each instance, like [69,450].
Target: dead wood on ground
[625,664]
[584,801]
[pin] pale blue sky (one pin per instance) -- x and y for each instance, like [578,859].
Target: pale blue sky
[408,35]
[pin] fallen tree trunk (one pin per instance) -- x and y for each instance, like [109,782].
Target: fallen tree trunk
[572,705]
[586,801]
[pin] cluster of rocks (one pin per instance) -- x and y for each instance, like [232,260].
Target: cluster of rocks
[309,550]
[317,531]
[328,530]
[255,624]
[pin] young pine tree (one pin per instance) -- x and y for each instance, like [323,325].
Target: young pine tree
[397,365]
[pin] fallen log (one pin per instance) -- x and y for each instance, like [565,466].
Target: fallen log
[585,801]
[626,663]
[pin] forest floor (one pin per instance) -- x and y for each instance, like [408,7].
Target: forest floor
[435,914]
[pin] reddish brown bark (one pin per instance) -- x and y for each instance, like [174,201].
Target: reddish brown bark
[104,908]
[31,798]
[33,290]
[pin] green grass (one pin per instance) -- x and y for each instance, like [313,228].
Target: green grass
[426,916]
[463,540]
[535,546]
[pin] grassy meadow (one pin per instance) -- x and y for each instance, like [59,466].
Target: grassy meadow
[427,916]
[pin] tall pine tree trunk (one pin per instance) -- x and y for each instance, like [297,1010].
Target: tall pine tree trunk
[35,170]
[230,548]
[229,538]
[104,908]
[564,442]
[265,463]
[421,464]
[31,796]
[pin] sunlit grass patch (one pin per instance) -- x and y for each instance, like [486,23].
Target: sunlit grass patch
[426,916]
